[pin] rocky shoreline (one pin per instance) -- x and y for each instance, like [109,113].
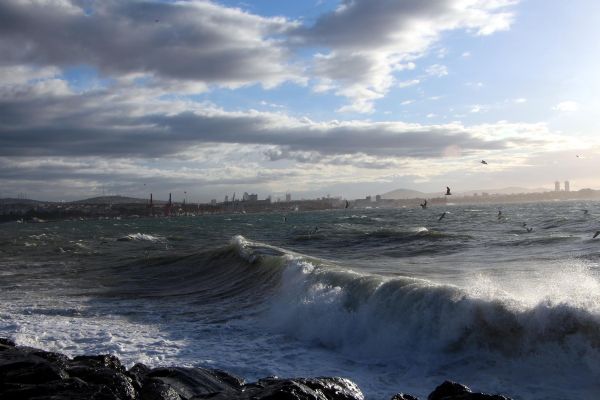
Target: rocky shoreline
[29,373]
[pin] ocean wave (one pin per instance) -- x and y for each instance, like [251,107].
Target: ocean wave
[140,237]
[381,318]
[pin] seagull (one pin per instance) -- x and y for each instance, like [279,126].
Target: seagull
[529,230]
[424,205]
[284,218]
[484,162]
[499,214]
[596,234]
[442,216]
[448,191]
[585,212]
[524,224]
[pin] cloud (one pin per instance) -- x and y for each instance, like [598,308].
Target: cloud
[190,41]
[369,42]
[566,106]
[437,70]
[125,122]
[187,46]
[408,83]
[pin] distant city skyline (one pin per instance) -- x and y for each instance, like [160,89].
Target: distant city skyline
[348,98]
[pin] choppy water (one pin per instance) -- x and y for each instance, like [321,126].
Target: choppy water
[393,299]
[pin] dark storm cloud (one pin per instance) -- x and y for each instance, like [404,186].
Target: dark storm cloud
[100,123]
[198,40]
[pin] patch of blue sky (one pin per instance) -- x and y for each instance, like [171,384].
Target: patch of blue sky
[308,10]
[84,78]
[289,98]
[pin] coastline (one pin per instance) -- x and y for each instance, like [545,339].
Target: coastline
[27,372]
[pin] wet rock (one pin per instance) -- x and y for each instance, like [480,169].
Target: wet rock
[295,389]
[189,382]
[7,342]
[102,360]
[27,373]
[155,389]
[403,396]
[65,389]
[118,383]
[455,391]
[137,373]
[22,367]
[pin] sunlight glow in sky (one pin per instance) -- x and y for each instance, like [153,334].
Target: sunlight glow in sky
[349,98]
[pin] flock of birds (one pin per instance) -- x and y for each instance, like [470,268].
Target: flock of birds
[449,193]
[500,216]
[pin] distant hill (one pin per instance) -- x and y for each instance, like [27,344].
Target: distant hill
[507,190]
[115,200]
[399,194]
[10,200]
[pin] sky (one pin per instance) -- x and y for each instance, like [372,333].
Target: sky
[318,97]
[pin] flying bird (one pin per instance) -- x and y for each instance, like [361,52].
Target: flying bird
[442,216]
[424,205]
[524,224]
[596,234]
[484,162]
[529,230]
[448,191]
[585,212]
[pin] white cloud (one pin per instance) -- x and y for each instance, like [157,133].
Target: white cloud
[437,70]
[408,83]
[566,106]
[369,42]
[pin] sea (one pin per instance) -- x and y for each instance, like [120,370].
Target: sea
[394,299]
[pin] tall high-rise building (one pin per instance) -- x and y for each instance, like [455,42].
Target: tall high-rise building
[557,186]
[567,186]
[288,197]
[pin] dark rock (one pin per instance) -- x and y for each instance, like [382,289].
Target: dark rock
[20,366]
[448,389]
[7,342]
[137,373]
[404,396]
[155,389]
[66,389]
[102,360]
[294,389]
[99,373]
[28,373]
[455,391]
[189,382]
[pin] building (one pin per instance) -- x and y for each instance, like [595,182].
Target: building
[567,186]
[557,186]
[378,198]
[288,197]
